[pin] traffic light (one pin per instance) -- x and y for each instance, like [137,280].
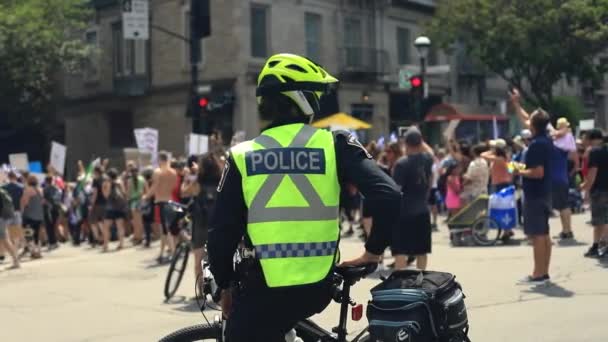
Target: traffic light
[416,82]
[201,18]
[203,102]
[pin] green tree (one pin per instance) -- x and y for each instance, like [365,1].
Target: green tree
[532,44]
[39,39]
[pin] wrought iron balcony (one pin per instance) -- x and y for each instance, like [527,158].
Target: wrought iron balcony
[363,61]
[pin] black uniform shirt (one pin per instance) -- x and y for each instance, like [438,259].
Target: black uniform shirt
[229,220]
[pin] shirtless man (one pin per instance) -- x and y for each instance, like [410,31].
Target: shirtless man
[164,181]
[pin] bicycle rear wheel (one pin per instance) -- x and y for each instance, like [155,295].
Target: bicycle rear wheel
[201,332]
[177,269]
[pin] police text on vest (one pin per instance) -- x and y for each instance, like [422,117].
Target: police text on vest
[289,160]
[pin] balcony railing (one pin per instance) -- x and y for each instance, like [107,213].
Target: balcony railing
[357,60]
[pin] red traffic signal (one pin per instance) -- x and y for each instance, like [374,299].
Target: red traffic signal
[203,102]
[416,81]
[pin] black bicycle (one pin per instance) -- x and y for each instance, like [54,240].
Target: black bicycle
[343,279]
[180,216]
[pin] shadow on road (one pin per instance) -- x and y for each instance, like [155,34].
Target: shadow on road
[184,304]
[155,264]
[551,290]
[570,243]
[603,262]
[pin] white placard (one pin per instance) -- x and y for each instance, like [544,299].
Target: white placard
[198,144]
[147,141]
[586,125]
[19,161]
[451,129]
[135,17]
[58,153]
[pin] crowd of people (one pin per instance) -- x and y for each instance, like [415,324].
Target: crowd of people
[448,179]
[104,205]
[108,205]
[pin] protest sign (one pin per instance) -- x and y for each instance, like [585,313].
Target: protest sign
[58,154]
[19,161]
[147,141]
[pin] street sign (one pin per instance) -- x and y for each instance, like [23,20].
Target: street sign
[430,70]
[135,17]
[404,79]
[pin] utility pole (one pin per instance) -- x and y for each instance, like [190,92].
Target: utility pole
[200,27]
[195,58]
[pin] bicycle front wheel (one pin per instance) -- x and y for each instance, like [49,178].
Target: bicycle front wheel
[177,269]
[201,332]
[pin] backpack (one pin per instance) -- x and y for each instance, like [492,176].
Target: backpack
[418,306]
[7,209]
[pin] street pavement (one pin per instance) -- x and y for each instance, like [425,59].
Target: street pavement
[79,294]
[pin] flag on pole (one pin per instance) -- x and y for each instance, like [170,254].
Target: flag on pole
[88,173]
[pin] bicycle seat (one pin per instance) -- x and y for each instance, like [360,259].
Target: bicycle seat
[355,273]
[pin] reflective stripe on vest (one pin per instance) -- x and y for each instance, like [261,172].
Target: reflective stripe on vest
[296,243]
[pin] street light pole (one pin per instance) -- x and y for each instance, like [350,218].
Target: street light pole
[422,44]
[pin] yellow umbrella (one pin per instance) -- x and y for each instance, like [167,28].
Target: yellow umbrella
[342,120]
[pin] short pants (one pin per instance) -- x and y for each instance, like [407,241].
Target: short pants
[559,196]
[163,217]
[412,236]
[599,208]
[15,221]
[536,216]
[3,229]
[115,215]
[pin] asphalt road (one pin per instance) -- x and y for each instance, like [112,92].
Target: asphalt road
[79,294]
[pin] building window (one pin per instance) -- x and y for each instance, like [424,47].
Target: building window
[403,46]
[120,128]
[186,30]
[365,112]
[353,41]
[91,68]
[259,31]
[129,56]
[433,58]
[312,22]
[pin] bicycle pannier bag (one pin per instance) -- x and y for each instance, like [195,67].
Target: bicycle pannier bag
[417,306]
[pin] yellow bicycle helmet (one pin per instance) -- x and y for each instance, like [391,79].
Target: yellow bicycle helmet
[296,77]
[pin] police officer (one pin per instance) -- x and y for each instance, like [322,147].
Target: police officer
[279,194]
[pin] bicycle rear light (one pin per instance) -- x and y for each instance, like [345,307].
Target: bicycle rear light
[357,312]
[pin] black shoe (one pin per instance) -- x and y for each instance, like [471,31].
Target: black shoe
[566,235]
[593,252]
[2,257]
[391,265]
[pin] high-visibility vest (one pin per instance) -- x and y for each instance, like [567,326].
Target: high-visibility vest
[291,190]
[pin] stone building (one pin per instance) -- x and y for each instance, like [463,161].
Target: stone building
[131,84]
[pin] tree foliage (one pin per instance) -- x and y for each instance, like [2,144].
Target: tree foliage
[38,40]
[569,107]
[532,44]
